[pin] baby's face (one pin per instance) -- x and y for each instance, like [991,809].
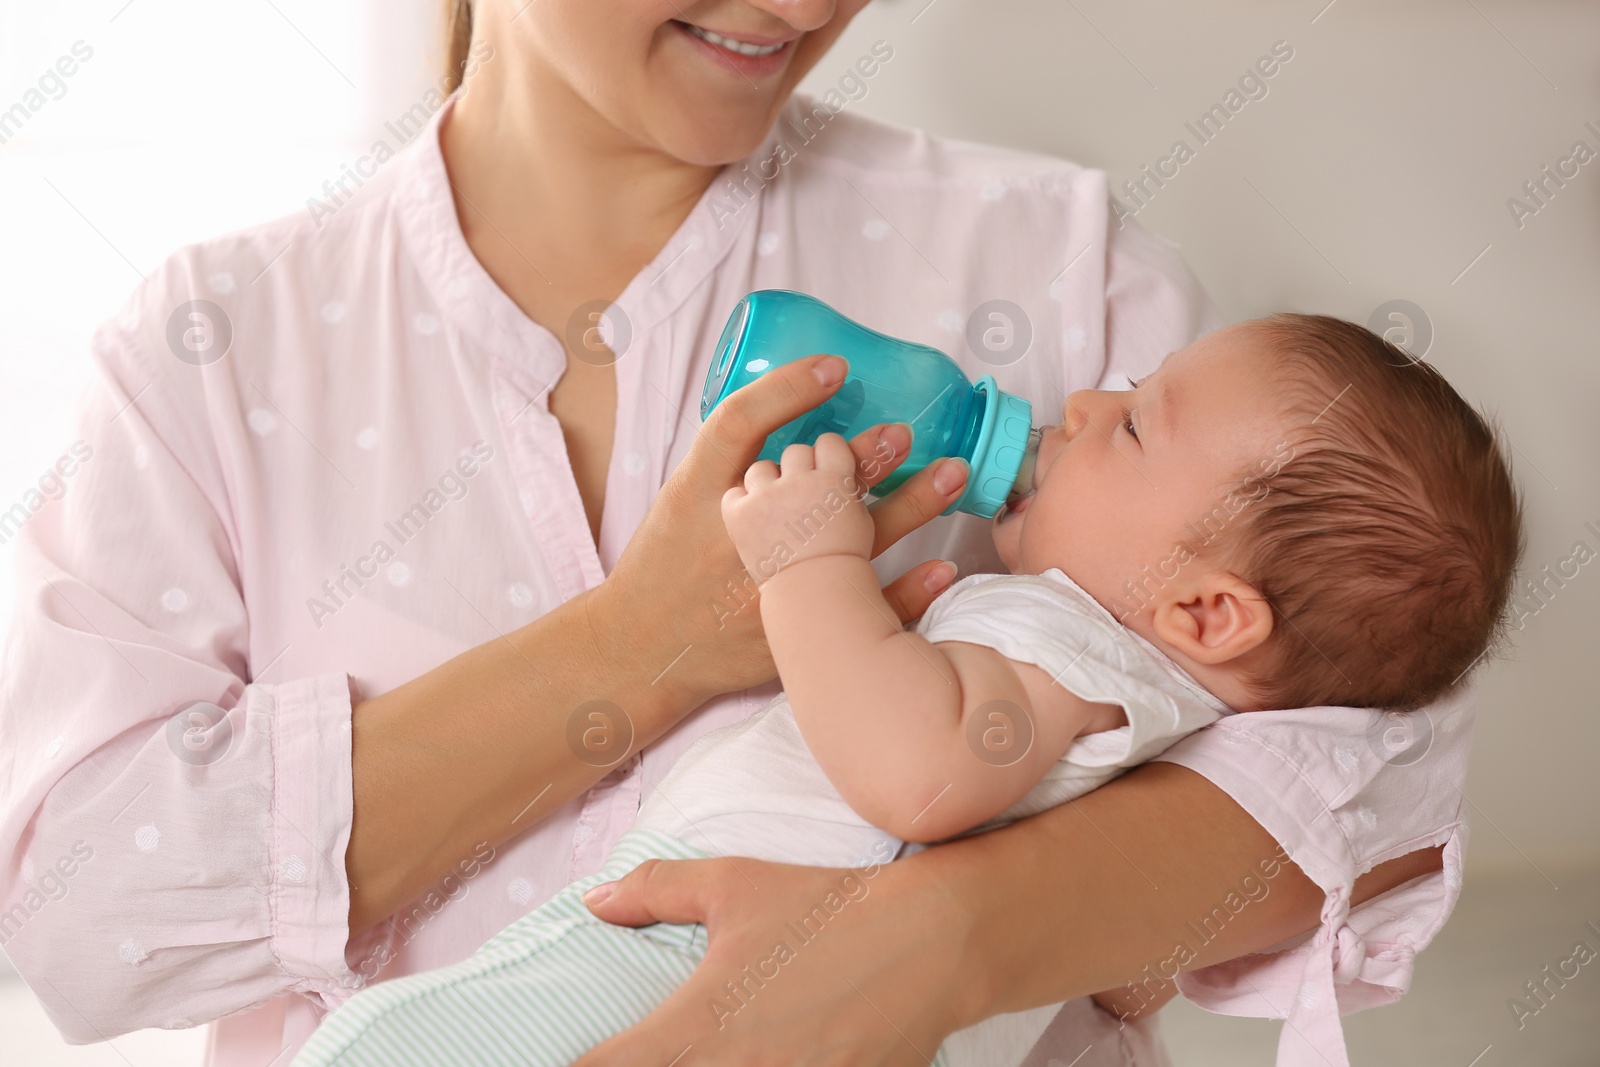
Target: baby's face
[1119,482]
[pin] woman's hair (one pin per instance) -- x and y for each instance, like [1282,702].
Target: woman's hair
[457,39]
[1388,542]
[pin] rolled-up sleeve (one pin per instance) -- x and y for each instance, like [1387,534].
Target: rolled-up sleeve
[172,830]
[1342,790]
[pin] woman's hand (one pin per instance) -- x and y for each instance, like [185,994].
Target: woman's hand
[680,601]
[818,959]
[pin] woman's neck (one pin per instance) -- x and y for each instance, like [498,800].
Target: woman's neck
[549,175]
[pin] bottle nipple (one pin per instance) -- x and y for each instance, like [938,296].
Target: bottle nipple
[1030,453]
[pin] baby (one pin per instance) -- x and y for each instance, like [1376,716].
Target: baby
[1288,513]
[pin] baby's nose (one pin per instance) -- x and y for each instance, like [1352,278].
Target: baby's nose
[1075,412]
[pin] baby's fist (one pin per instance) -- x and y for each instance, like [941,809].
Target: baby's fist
[808,504]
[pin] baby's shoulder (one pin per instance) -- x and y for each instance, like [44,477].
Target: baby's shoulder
[1006,596]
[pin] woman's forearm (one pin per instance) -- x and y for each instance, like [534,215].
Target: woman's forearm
[483,746]
[1158,848]
[477,749]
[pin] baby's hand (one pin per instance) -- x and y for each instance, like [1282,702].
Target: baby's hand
[810,506]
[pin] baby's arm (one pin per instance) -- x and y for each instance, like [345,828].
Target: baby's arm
[912,734]
[921,739]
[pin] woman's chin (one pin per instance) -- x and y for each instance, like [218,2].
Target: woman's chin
[701,117]
[711,133]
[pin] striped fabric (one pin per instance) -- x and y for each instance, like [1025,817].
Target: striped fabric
[540,993]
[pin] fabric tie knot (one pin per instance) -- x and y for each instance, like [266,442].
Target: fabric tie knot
[1349,953]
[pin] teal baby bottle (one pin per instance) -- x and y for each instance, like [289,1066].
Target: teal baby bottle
[890,380]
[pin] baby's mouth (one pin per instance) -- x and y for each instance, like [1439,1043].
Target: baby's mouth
[1016,507]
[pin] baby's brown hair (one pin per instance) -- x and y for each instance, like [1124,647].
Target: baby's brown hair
[1387,544]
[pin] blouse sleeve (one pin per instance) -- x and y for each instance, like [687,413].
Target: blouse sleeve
[1342,790]
[172,828]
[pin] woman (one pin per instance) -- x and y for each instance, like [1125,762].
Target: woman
[410,486]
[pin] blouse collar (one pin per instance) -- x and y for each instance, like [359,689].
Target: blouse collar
[469,299]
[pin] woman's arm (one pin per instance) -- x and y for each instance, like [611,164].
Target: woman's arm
[164,862]
[1154,850]
[477,749]
[1066,903]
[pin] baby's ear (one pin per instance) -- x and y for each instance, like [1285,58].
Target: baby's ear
[1220,618]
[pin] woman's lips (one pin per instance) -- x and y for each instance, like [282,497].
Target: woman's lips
[751,66]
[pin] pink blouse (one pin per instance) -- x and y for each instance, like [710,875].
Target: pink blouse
[317,461]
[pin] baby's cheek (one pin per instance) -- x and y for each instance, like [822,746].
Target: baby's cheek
[1056,529]
[1005,543]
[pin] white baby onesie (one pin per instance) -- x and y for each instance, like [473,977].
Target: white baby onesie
[754,789]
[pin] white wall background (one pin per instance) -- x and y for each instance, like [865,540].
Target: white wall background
[1378,167]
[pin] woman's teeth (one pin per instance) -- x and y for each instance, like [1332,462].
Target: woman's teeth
[730,44]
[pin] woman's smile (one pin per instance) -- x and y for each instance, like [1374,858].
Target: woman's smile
[750,55]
